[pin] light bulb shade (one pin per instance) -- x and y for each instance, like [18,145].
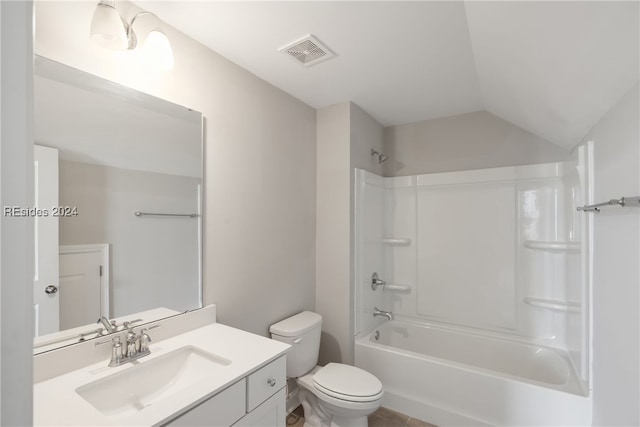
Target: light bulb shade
[157,50]
[107,28]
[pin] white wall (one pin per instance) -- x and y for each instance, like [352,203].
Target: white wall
[477,140]
[154,261]
[16,234]
[345,136]
[616,251]
[259,264]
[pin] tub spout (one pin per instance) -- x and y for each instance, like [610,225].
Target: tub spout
[386,314]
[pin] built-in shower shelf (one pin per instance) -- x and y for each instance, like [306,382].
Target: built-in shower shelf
[553,304]
[396,241]
[552,246]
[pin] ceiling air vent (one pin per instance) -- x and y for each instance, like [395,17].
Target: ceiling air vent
[308,51]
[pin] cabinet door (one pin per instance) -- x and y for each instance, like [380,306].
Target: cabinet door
[272,413]
[223,409]
[263,383]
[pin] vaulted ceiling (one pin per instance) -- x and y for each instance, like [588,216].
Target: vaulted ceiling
[552,68]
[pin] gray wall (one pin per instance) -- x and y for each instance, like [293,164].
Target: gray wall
[475,140]
[260,161]
[332,232]
[154,261]
[616,251]
[366,134]
[16,234]
[345,136]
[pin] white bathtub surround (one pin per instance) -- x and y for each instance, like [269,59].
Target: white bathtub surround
[497,262]
[451,377]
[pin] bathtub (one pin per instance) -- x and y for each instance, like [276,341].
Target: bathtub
[448,376]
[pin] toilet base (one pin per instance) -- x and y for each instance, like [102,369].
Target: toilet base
[315,415]
[353,422]
[330,412]
[312,420]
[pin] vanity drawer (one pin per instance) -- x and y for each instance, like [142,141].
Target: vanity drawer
[265,382]
[223,409]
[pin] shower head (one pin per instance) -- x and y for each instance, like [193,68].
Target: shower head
[381,157]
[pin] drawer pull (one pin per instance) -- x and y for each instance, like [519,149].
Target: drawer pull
[271,382]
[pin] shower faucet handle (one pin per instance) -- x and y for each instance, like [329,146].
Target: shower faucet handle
[375,281]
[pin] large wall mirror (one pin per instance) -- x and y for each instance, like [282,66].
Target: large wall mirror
[119,177]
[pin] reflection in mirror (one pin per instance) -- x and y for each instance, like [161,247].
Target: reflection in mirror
[118,178]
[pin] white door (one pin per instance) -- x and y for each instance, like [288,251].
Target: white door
[80,287]
[45,281]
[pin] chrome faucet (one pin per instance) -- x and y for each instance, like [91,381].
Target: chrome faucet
[135,347]
[108,326]
[386,314]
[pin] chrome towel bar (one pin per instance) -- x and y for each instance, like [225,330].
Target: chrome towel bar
[622,201]
[191,215]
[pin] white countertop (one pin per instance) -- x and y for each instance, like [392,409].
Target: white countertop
[56,402]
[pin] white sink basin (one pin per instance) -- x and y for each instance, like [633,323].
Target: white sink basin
[132,390]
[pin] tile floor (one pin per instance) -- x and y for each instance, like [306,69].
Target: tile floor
[383,417]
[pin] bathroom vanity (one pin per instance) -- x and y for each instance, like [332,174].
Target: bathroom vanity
[211,375]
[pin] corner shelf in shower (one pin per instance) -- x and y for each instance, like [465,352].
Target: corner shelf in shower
[396,241]
[553,246]
[396,287]
[553,304]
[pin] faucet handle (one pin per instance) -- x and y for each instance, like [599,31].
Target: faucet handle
[116,350]
[375,281]
[132,343]
[145,339]
[129,323]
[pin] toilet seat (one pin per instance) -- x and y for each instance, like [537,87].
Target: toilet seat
[348,383]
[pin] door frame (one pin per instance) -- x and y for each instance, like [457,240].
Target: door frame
[103,249]
[46,308]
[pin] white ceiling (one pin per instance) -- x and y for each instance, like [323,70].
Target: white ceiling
[552,68]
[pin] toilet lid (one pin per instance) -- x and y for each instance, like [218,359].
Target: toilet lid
[347,382]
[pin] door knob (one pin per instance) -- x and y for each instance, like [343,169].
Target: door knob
[51,289]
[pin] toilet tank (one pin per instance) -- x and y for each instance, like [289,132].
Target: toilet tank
[302,332]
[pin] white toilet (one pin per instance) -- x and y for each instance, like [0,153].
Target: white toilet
[335,395]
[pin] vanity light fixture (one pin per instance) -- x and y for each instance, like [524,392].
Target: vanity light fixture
[111,31]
